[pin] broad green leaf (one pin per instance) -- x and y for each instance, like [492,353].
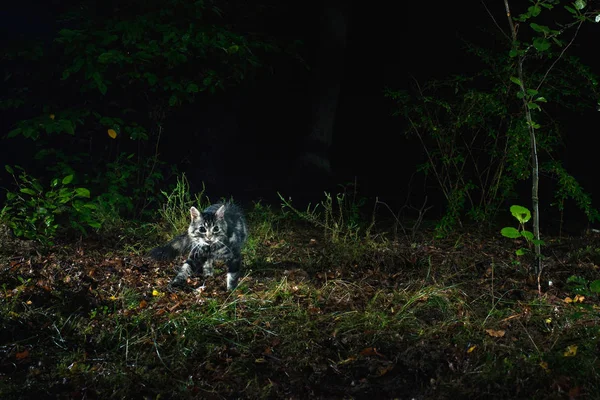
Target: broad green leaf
[82,192]
[595,286]
[570,9]
[540,242]
[532,92]
[541,44]
[513,53]
[67,126]
[28,191]
[14,132]
[67,179]
[516,80]
[522,214]
[534,11]
[173,100]
[541,100]
[36,185]
[533,106]
[151,78]
[192,88]
[520,252]
[105,58]
[527,235]
[102,88]
[510,232]
[9,169]
[580,4]
[54,182]
[539,28]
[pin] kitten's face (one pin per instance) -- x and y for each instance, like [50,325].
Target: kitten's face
[207,228]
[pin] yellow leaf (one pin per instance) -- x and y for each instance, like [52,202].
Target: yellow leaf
[568,300]
[544,365]
[571,351]
[579,299]
[548,320]
[112,133]
[113,298]
[155,293]
[52,116]
[470,350]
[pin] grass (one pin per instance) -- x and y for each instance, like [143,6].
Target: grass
[318,314]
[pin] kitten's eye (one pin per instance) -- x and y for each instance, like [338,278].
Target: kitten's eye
[202,229]
[216,229]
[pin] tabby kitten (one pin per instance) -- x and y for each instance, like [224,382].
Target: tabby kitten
[215,234]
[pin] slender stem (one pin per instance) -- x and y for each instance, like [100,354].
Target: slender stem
[533,147]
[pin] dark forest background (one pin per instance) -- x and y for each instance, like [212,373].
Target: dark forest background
[297,98]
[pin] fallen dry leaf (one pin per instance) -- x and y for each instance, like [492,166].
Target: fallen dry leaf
[570,351]
[494,333]
[22,355]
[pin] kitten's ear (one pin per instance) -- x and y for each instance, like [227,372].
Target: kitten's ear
[194,213]
[220,212]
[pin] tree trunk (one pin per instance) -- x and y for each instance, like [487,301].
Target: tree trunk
[313,166]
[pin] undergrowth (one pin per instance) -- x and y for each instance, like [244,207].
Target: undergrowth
[316,315]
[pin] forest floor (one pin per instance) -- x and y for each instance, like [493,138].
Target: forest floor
[379,317]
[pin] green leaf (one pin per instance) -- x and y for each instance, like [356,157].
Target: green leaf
[192,88]
[532,92]
[105,58]
[534,11]
[510,232]
[570,9]
[520,252]
[36,185]
[151,78]
[67,126]
[533,106]
[522,214]
[28,191]
[102,88]
[516,80]
[527,235]
[67,179]
[14,132]
[595,286]
[580,4]
[539,28]
[513,53]
[541,44]
[541,100]
[173,100]
[9,169]
[82,192]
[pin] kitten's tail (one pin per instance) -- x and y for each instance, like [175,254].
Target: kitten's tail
[179,245]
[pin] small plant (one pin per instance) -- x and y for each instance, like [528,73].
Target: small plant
[581,286]
[338,218]
[523,215]
[175,212]
[35,212]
